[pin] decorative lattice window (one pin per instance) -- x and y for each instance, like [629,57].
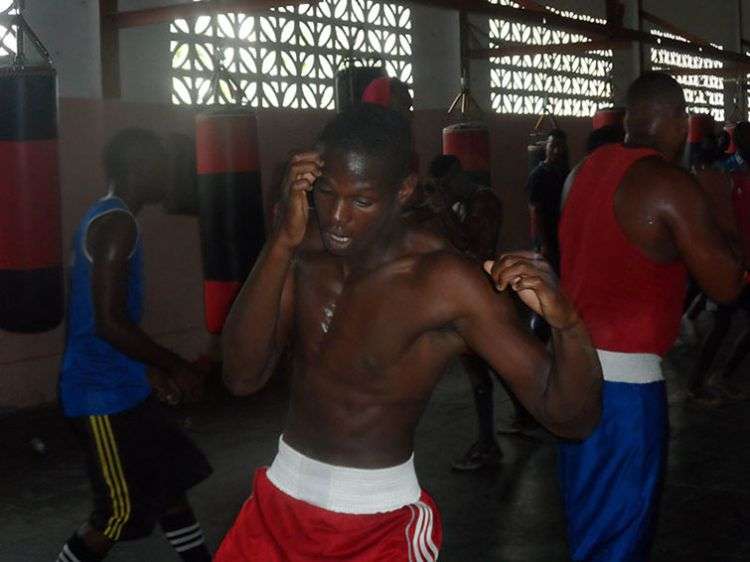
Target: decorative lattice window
[703,94]
[288,59]
[572,85]
[7,32]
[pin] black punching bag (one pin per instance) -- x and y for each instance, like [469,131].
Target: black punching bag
[231,206]
[31,278]
[700,130]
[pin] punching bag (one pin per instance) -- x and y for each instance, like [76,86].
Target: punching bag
[608,117]
[470,143]
[728,139]
[536,152]
[350,84]
[700,130]
[31,278]
[231,206]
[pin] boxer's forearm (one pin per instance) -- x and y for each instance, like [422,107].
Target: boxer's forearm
[250,350]
[130,340]
[572,397]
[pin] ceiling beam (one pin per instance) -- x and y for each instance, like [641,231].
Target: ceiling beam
[521,49]
[669,27]
[615,13]
[531,5]
[152,16]
[740,71]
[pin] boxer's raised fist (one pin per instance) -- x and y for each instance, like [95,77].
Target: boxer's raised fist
[532,278]
[293,210]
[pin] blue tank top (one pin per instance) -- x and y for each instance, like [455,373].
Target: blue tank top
[97,379]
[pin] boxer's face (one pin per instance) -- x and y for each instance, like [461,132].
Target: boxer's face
[149,177]
[672,127]
[556,150]
[355,205]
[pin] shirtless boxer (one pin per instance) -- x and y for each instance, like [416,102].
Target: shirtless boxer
[633,225]
[373,318]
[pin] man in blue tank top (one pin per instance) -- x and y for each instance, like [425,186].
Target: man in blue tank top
[140,463]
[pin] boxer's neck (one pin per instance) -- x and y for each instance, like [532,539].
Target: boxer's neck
[386,249]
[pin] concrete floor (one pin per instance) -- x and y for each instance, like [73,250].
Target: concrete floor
[510,515]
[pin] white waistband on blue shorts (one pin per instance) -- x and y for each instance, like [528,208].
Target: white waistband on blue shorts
[634,368]
[343,489]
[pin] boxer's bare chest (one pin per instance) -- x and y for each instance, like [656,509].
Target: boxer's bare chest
[358,320]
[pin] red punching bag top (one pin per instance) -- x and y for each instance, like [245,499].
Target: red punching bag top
[729,128]
[378,92]
[226,141]
[609,117]
[470,143]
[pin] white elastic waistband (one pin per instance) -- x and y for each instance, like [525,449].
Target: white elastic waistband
[636,368]
[344,489]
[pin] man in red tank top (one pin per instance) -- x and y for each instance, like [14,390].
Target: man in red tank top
[633,225]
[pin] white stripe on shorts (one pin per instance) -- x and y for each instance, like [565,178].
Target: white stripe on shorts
[421,546]
[634,368]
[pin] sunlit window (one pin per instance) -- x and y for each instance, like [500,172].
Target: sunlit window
[565,85]
[7,32]
[703,94]
[288,59]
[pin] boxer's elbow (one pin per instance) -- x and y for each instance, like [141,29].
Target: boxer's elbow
[243,376]
[730,290]
[578,429]
[239,381]
[112,329]
[586,425]
[577,421]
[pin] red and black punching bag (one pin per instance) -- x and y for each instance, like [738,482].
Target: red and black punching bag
[608,117]
[700,128]
[730,147]
[470,143]
[351,81]
[31,278]
[231,206]
[536,152]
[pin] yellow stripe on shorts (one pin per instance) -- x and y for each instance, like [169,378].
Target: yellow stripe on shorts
[119,475]
[113,477]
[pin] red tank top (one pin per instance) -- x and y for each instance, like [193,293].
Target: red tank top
[629,302]
[741,205]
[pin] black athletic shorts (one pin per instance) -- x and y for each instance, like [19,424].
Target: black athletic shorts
[139,462]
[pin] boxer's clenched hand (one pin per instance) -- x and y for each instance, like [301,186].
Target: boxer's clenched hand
[291,219]
[192,383]
[532,278]
[165,386]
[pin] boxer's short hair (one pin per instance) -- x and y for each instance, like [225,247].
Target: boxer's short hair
[125,145]
[375,132]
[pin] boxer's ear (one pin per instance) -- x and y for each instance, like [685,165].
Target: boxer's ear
[406,191]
